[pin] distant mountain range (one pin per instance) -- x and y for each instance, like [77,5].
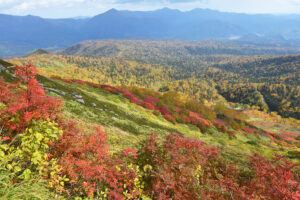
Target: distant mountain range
[22,34]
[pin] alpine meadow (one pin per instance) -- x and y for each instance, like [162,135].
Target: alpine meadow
[160,100]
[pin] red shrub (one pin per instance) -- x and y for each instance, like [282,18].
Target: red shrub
[23,105]
[249,130]
[177,109]
[169,117]
[274,179]
[180,169]
[112,89]
[133,98]
[219,122]
[193,121]
[94,84]
[175,173]
[185,118]
[65,80]
[80,82]
[151,100]
[163,110]
[89,166]
[130,152]
[148,105]
[204,122]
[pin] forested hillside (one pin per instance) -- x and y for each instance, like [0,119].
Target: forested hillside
[151,145]
[158,51]
[270,83]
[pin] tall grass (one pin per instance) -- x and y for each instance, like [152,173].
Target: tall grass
[25,190]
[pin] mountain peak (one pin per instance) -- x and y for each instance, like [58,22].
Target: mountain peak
[166,9]
[38,52]
[113,10]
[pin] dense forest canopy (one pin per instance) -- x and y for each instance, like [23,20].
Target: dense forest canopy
[270,82]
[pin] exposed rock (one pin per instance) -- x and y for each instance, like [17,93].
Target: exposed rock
[80,101]
[74,95]
[2,68]
[93,104]
[55,91]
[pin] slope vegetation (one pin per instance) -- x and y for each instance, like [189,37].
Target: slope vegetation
[270,83]
[152,145]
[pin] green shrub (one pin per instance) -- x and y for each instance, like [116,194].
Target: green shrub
[252,142]
[26,155]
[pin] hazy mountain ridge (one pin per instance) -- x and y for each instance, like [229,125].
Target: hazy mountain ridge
[138,49]
[161,24]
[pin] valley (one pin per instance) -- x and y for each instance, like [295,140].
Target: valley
[151,119]
[268,82]
[151,115]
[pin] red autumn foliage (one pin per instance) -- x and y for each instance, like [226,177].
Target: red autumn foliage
[169,117]
[5,138]
[80,82]
[133,98]
[204,123]
[274,179]
[23,105]
[181,167]
[174,171]
[151,100]
[177,109]
[112,89]
[86,161]
[199,122]
[219,122]
[163,110]
[249,130]
[196,115]
[67,80]
[185,119]
[148,105]
[130,152]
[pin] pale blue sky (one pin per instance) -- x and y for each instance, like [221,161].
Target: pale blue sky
[72,8]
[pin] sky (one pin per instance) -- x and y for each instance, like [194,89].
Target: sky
[75,8]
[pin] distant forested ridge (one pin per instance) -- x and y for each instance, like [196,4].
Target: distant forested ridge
[269,82]
[26,33]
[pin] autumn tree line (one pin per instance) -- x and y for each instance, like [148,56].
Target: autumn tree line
[47,156]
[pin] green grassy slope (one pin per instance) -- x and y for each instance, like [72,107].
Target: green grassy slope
[127,124]
[269,82]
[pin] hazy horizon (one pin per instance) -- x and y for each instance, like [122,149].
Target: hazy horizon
[102,12]
[89,8]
